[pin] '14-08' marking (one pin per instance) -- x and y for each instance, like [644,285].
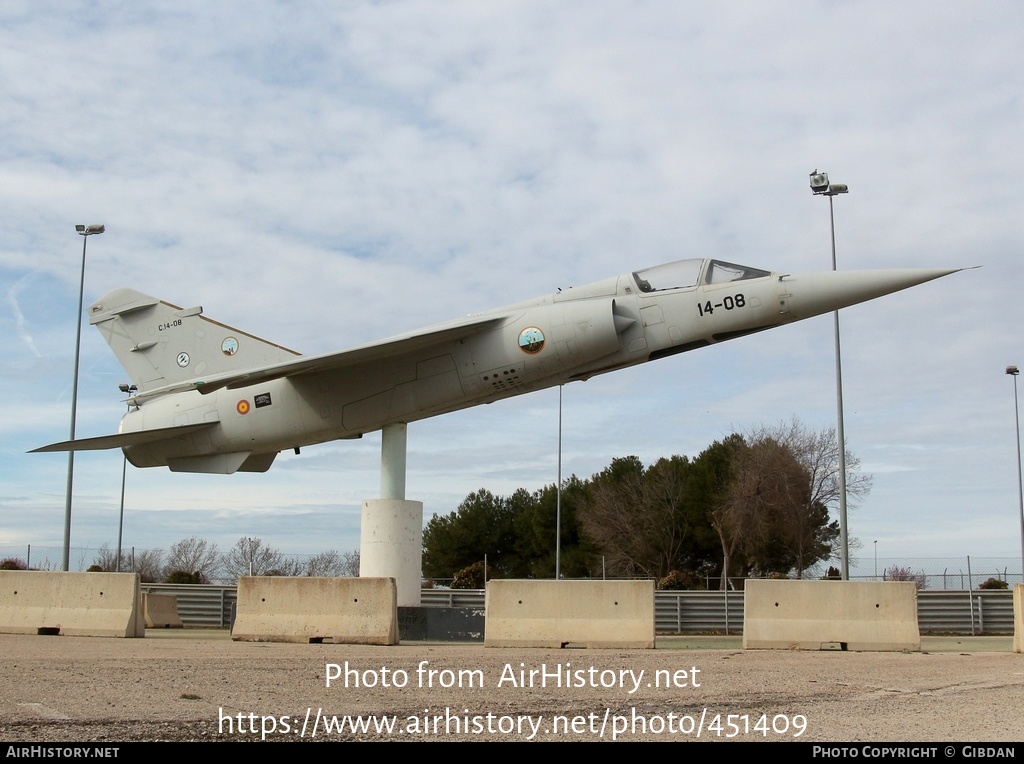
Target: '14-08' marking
[729,302]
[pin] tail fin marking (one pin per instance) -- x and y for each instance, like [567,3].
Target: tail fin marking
[160,344]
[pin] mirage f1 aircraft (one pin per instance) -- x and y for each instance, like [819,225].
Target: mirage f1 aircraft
[214,399]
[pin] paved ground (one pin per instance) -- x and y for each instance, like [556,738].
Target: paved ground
[198,685]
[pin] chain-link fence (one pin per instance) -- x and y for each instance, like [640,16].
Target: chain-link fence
[938,573]
[251,557]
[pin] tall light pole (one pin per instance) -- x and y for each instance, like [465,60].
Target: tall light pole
[1013,371]
[558,496]
[85,231]
[821,187]
[127,390]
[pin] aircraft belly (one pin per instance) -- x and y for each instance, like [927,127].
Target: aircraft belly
[214,464]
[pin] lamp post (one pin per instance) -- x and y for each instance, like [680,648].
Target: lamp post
[128,390]
[85,231]
[558,496]
[1013,371]
[821,187]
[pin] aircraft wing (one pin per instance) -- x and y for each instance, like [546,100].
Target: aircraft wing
[122,439]
[312,364]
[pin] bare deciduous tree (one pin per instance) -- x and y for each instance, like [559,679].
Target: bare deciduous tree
[612,502]
[350,563]
[332,564]
[148,563]
[193,555]
[249,557]
[327,564]
[770,515]
[106,560]
[805,526]
[324,564]
[818,453]
[773,516]
[289,565]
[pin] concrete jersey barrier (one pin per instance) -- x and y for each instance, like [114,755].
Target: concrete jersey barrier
[358,611]
[556,613]
[160,611]
[70,604]
[815,615]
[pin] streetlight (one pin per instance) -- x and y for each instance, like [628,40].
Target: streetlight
[85,231]
[558,495]
[821,187]
[127,390]
[1013,371]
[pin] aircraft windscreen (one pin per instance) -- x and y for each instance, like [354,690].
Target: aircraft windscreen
[682,273]
[722,273]
[686,273]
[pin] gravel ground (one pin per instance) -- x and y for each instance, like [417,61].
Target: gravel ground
[197,685]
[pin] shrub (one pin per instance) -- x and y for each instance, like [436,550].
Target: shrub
[470,577]
[896,573]
[184,577]
[12,563]
[994,583]
[679,579]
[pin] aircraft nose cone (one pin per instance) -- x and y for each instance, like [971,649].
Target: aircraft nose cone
[811,294]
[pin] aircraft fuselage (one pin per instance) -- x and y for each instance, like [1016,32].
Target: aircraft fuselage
[254,406]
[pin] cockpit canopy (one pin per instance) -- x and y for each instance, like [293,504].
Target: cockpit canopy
[689,273]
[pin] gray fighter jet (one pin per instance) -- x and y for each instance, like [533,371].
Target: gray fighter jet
[214,399]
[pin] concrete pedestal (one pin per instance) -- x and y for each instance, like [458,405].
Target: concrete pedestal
[391,545]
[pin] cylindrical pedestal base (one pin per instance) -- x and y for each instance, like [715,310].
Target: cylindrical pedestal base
[391,545]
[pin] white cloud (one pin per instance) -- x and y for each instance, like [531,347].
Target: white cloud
[326,174]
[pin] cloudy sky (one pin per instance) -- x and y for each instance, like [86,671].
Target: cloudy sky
[326,174]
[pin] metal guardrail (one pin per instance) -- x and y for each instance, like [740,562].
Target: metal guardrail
[938,612]
[200,604]
[686,612]
[675,612]
[965,612]
[452,598]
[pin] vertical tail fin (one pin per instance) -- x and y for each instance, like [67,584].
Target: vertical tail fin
[161,344]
